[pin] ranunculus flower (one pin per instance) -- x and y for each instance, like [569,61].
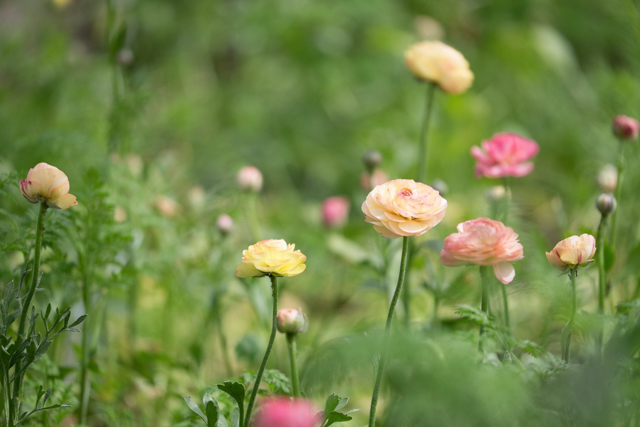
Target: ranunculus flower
[46,183]
[369,181]
[625,128]
[271,257]
[608,178]
[436,62]
[335,211]
[484,241]
[403,207]
[505,154]
[285,412]
[249,178]
[292,321]
[224,223]
[573,252]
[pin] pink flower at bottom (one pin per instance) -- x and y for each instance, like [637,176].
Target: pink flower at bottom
[285,412]
[484,241]
[505,154]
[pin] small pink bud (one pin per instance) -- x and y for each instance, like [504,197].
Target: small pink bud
[224,224]
[285,412]
[370,181]
[292,321]
[249,178]
[606,204]
[625,128]
[335,211]
[608,178]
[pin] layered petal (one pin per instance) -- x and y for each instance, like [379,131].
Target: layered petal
[505,154]
[573,252]
[271,257]
[436,62]
[46,183]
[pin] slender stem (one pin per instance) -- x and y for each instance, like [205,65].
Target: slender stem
[224,347]
[484,301]
[435,321]
[295,380]
[406,292]
[424,134]
[506,200]
[602,277]
[618,193]
[566,353]
[254,224]
[256,385]
[505,307]
[392,309]
[35,278]
[85,380]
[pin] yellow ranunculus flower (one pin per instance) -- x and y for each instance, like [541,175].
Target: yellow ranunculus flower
[436,62]
[46,183]
[573,252]
[271,258]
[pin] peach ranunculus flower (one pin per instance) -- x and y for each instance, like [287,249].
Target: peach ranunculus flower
[505,154]
[271,258]
[436,62]
[46,183]
[403,208]
[573,252]
[484,241]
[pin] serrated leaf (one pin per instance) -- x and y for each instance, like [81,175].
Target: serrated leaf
[194,408]
[337,417]
[334,402]
[234,389]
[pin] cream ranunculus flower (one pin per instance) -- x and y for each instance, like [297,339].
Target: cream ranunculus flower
[271,258]
[573,252]
[46,183]
[439,63]
[403,207]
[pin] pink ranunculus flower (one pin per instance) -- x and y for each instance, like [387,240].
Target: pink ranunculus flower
[285,412]
[46,183]
[484,241]
[335,211]
[403,208]
[625,128]
[505,154]
[573,252]
[249,178]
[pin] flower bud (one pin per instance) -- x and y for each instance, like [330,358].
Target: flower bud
[625,128]
[224,223]
[495,193]
[371,160]
[47,184]
[606,204]
[249,179]
[440,186]
[335,211]
[292,321]
[608,178]
[125,57]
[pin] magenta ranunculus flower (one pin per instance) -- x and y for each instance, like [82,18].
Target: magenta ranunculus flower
[505,154]
[483,241]
[285,412]
[625,128]
[335,211]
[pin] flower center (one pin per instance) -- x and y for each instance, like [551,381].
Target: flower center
[405,192]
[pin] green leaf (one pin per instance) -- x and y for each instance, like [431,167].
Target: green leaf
[194,408]
[235,390]
[235,418]
[334,403]
[213,411]
[337,417]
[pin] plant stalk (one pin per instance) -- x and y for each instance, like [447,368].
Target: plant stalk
[384,353]
[566,350]
[424,134]
[295,379]
[618,194]
[602,277]
[484,301]
[256,385]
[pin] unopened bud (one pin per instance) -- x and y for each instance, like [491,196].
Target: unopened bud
[608,178]
[292,321]
[224,223]
[625,128]
[495,193]
[125,57]
[249,178]
[440,186]
[372,160]
[606,204]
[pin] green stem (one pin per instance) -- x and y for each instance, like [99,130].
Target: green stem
[566,351]
[224,347]
[484,301]
[505,307]
[505,200]
[392,308]
[24,308]
[295,380]
[435,321]
[618,194]
[406,292]
[85,381]
[256,385]
[602,277]
[424,134]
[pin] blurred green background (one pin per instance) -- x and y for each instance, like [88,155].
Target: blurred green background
[170,98]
